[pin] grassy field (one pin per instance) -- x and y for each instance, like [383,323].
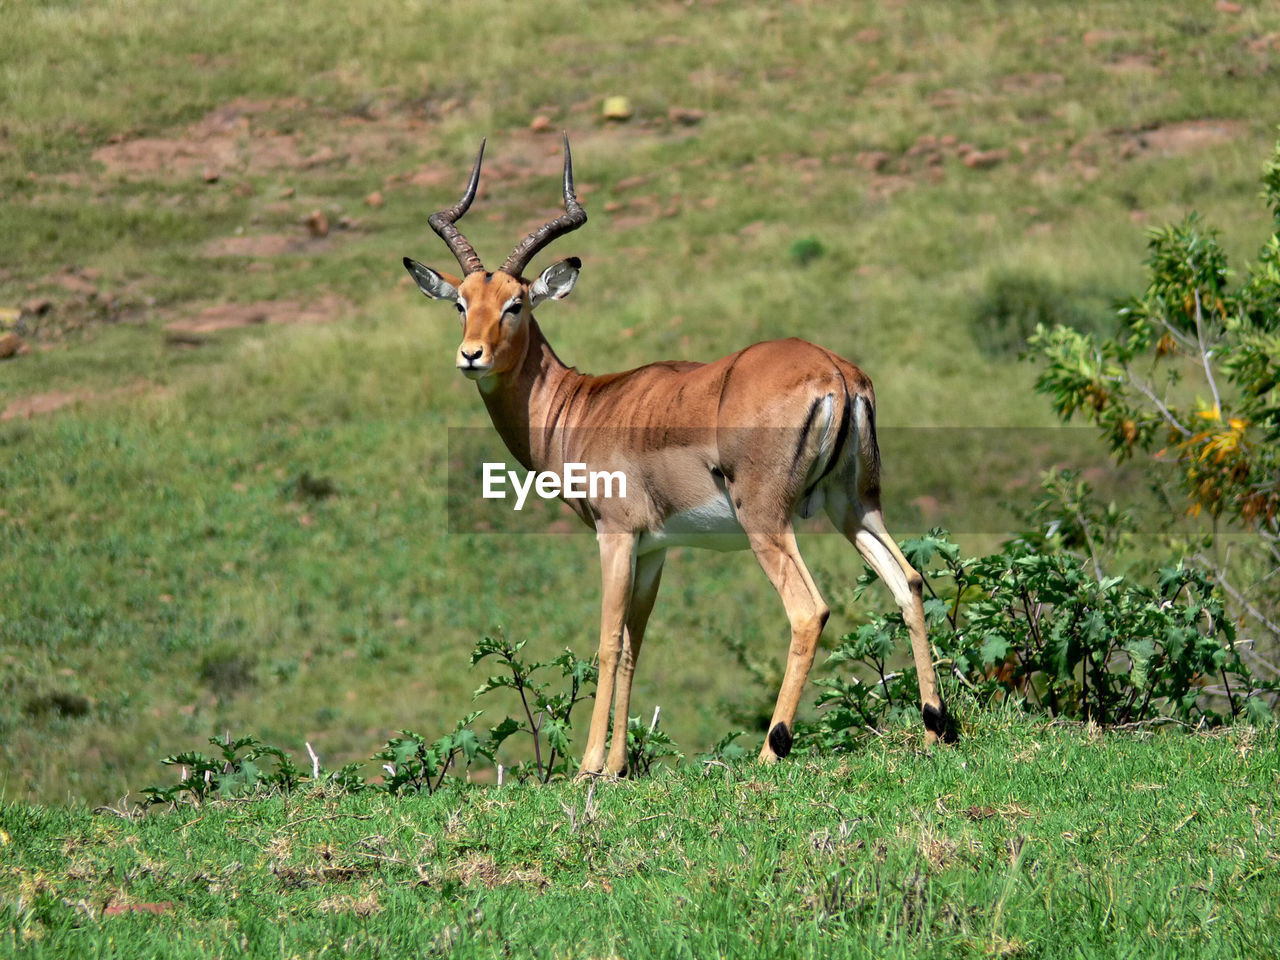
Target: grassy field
[875,177]
[1025,840]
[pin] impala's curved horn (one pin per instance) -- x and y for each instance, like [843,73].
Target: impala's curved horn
[443,223]
[572,218]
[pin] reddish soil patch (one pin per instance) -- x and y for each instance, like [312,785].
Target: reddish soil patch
[229,316]
[239,137]
[224,140]
[1265,44]
[1175,139]
[1192,135]
[262,245]
[431,175]
[1132,63]
[1097,38]
[525,155]
[40,403]
[1021,83]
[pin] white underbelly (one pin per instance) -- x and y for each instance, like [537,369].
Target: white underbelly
[712,526]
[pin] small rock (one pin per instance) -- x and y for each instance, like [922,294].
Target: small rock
[74,281]
[541,124]
[318,224]
[10,344]
[374,199]
[320,158]
[287,192]
[873,160]
[211,175]
[630,183]
[1226,6]
[616,108]
[985,159]
[924,144]
[686,116]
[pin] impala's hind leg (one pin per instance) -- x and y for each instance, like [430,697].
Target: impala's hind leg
[867,531]
[782,563]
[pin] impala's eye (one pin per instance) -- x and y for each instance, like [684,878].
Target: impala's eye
[462,311]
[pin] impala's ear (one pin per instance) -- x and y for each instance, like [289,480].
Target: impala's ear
[437,286]
[556,281]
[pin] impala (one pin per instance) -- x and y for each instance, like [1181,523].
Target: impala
[722,455]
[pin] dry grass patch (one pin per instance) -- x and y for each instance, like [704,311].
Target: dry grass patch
[480,867]
[365,905]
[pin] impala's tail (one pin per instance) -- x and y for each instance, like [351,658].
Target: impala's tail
[824,437]
[867,465]
[842,432]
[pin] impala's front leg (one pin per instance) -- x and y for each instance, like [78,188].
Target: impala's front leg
[644,590]
[617,569]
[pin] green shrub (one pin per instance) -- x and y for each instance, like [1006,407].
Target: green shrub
[1042,629]
[1190,387]
[412,764]
[806,250]
[1016,302]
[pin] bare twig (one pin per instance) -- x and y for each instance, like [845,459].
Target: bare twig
[1205,354]
[1219,578]
[1147,392]
[1177,335]
[315,762]
[1088,542]
[123,810]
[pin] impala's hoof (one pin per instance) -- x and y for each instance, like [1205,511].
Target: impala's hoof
[780,740]
[938,724]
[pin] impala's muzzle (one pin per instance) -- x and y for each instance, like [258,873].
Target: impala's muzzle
[473,360]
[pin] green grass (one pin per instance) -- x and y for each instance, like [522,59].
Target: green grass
[158,577]
[1025,840]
